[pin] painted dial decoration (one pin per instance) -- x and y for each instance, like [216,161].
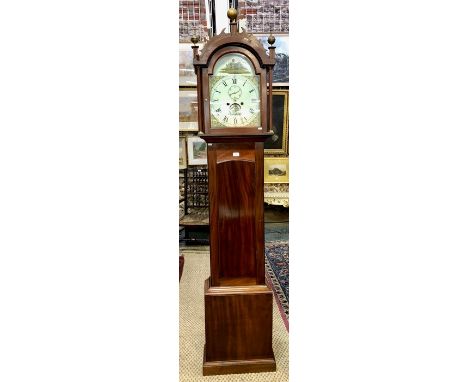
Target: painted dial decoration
[234,93]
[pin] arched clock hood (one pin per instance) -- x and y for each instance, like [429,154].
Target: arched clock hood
[204,60]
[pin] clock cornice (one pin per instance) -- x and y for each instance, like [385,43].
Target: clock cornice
[240,39]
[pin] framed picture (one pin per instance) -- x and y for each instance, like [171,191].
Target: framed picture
[187,75]
[263,16]
[188,109]
[196,151]
[281,68]
[276,170]
[194,19]
[182,153]
[278,143]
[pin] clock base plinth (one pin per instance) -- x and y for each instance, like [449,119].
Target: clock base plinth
[238,367]
[238,329]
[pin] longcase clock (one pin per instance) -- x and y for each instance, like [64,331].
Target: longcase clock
[234,85]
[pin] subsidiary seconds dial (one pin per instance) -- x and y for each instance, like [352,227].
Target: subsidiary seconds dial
[235,101]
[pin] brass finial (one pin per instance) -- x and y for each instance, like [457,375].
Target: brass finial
[194,40]
[271,39]
[232,14]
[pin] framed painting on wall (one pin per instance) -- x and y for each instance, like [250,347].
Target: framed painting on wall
[196,151]
[187,75]
[182,153]
[281,68]
[263,16]
[188,109]
[194,19]
[276,170]
[278,142]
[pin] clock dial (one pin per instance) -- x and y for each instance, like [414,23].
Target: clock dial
[235,101]
[234,93]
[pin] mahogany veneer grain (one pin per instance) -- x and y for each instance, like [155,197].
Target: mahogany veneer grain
[238,329]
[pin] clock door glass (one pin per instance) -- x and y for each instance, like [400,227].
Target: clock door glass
[234,93]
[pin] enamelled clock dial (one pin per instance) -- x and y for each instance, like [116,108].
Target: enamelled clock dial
[234,93]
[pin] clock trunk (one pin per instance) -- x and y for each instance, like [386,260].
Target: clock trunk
[236,213]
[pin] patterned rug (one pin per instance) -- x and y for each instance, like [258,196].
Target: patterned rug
[277,268]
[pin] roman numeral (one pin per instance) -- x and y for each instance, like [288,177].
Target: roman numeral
[224,83]
[215,100]
[218,110]
[225,119]
[251,110]
[235,121]
[244,83]
[250,91]
[234,80]
[217,91]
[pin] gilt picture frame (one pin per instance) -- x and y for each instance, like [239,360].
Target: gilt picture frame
[278,142]
[188,109]
[276,170]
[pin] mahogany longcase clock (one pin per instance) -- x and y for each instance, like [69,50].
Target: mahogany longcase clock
[234,84]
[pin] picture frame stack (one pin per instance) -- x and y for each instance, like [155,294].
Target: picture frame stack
[192,149]
[276,161]
[194,153]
